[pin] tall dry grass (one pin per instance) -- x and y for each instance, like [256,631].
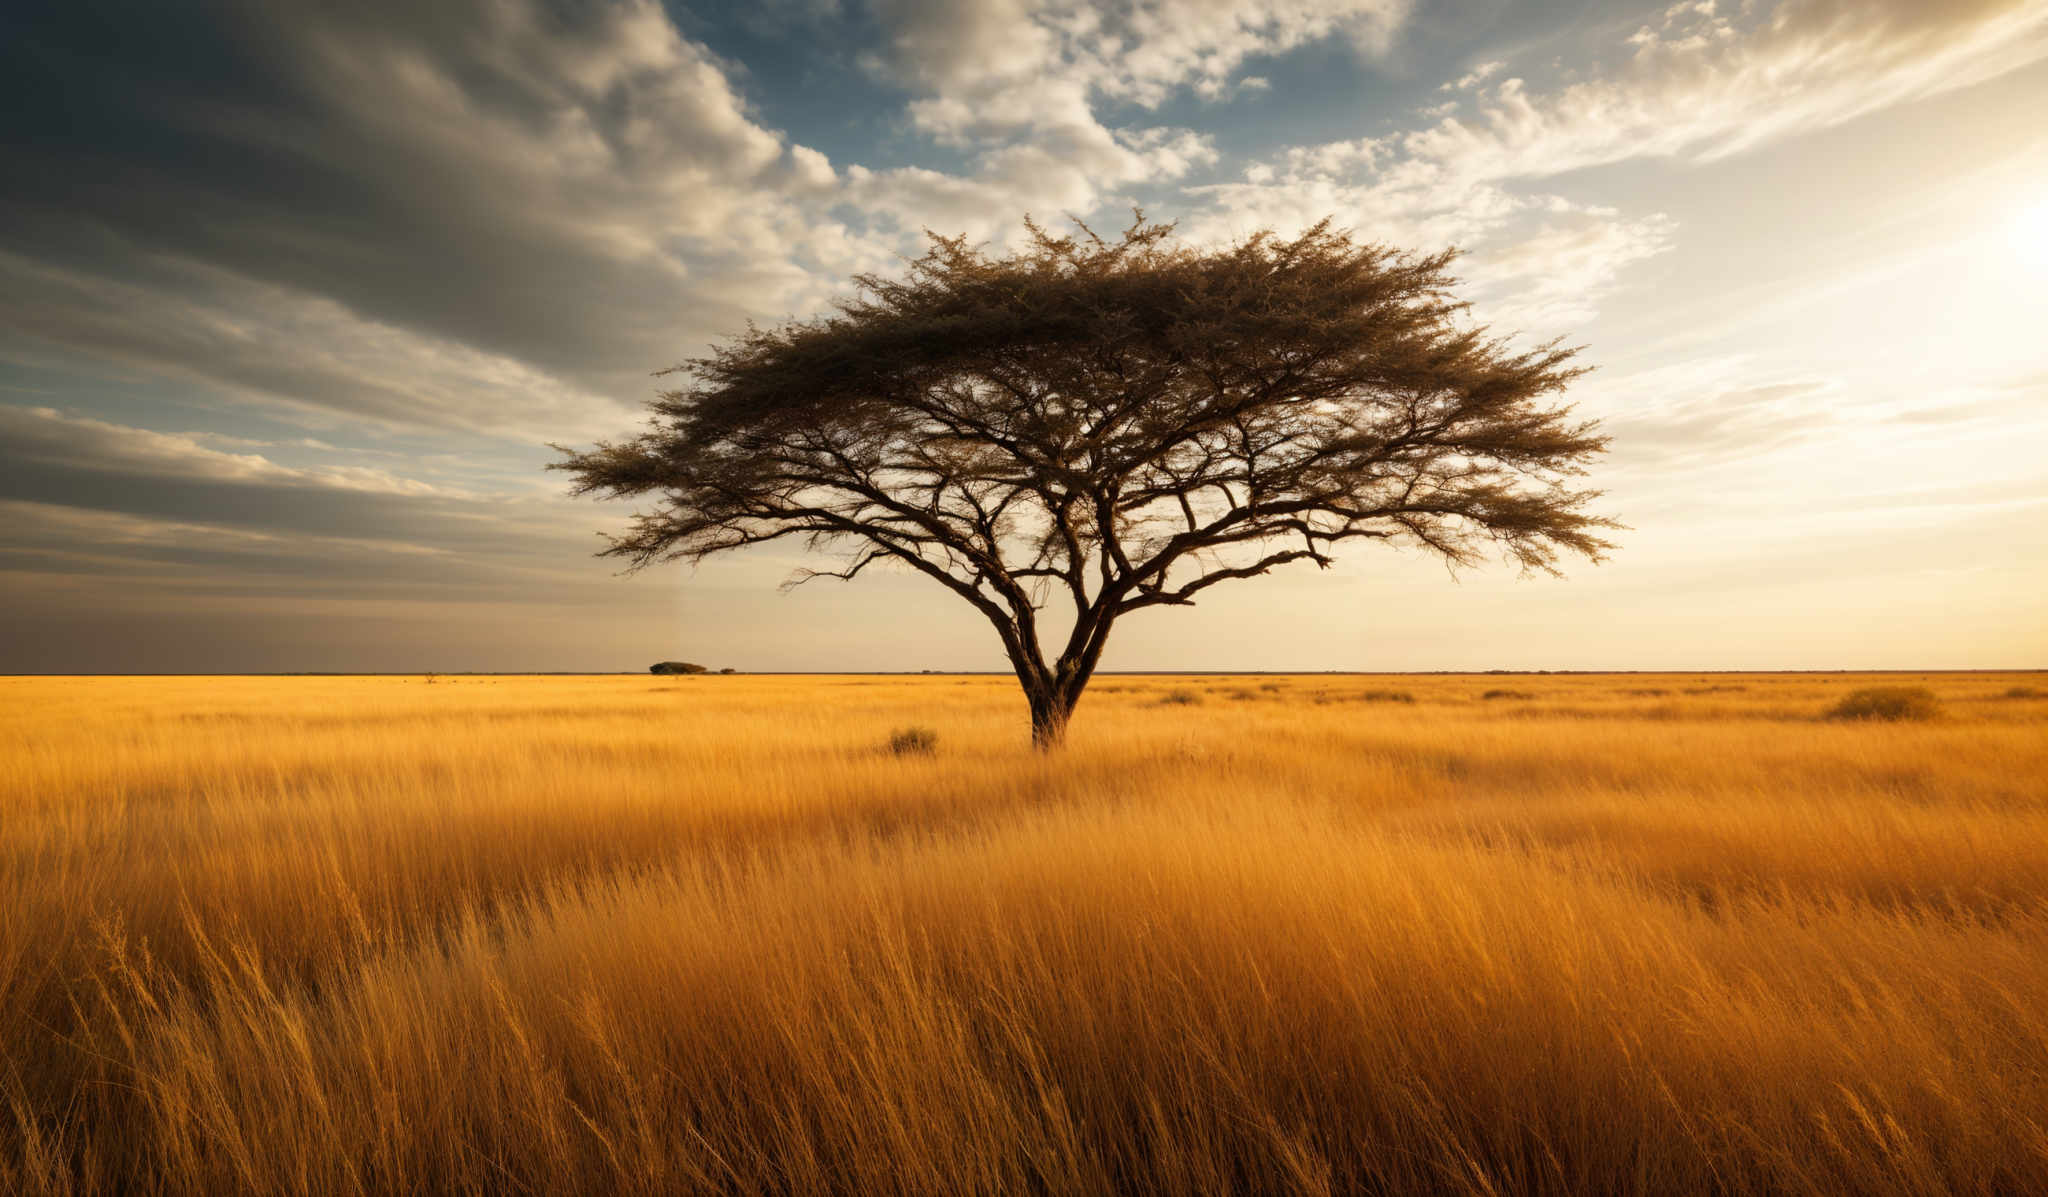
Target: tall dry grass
[1605,934]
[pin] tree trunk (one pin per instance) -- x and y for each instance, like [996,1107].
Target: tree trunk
[1055,693]
[1049,712]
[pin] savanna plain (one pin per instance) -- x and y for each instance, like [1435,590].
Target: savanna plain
[1486,935]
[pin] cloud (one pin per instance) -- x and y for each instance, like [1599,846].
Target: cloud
[1704,413]
[1046,176]
[90,590]
[41,436]
[501,215]
[1554,274]
[1697,83]
[108,471]
[1707,80]
[132,523]
[1013,64]
[77,540]
[282,346]
[1476,76]
[1020,85]
[1536,261]
[497,195]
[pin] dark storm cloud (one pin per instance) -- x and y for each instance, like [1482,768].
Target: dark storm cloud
[531,181]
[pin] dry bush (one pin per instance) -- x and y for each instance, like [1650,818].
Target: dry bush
[1495,695]
[1325,697]
[1888,703]
[2025,692]
[1178,698]
[913,741]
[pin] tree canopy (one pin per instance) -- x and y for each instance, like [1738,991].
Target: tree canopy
[1100,425]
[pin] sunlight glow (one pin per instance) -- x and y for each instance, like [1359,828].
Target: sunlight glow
[2028,233]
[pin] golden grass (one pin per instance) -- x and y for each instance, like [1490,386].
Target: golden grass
[626,934]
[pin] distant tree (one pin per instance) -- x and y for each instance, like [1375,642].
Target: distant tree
[1105,425]
[674,667]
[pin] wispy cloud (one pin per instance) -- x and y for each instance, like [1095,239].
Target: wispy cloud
[46,437]
[1699,81]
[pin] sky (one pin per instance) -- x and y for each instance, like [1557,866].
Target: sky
[294,297]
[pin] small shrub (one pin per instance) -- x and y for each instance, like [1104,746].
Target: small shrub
[913,741]
[728,669]
[2026,692]
[1179,698]
[1714,689]
[1491,695]
[1650,693]
[1325,697]
[1891,703]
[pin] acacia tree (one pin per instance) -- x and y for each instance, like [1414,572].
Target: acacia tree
[1095,426]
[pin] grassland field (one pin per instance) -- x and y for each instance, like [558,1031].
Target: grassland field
[1316,934]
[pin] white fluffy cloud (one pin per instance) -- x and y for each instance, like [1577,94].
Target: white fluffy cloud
[1020,84]
[1033,64]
